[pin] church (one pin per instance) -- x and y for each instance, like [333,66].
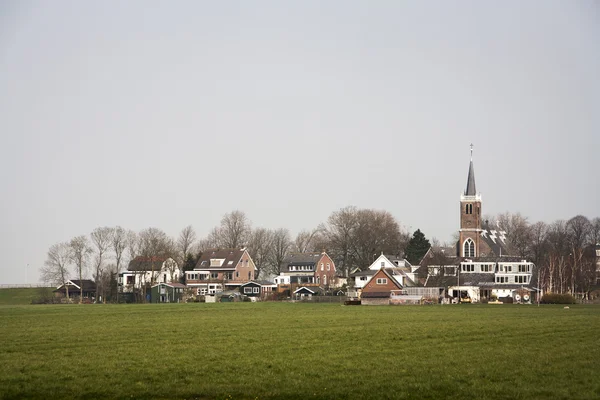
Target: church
[482,270]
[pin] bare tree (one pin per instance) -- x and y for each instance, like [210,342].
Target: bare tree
[56,266]
[186,240]
[101,240]
[119,244]
[80,254]
[305,240]
[339,231]
[259,247]
[579,228]
[155,245]
[133,244]
[233,232]
[280,246]
[518,232]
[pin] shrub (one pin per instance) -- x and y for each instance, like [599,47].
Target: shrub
[557,298]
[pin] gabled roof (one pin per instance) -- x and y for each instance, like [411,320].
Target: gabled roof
[296,259]
[86,284]
[383,273]
[231,257]
[141,263]
[304,289]
[259,283]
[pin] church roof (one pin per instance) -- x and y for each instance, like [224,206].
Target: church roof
[470,190]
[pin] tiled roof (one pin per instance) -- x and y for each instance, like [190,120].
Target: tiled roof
[296,259]
[230,256]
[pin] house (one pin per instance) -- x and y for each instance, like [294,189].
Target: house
[399,268]
[482,270]
[379,288]
[306,293]
[259,289]
[167,292]
[221,269]
[143,272]
[75,287]
[309,269]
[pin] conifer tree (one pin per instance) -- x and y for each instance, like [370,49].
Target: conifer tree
[417,247]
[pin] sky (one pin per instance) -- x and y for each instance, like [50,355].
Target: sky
[170,113]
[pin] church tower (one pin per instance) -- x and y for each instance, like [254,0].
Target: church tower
[470,217]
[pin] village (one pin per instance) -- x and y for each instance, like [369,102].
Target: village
[479,269]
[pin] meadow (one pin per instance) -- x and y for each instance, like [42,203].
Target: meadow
[285,350]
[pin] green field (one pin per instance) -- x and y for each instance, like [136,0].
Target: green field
[284,350]
[15,296]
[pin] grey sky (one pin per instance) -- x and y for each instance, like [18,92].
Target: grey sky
[164,114]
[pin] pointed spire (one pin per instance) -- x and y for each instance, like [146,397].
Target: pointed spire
[470,190]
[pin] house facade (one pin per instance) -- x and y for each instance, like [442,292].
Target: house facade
[75,288]
[221,269]
[400,270]
[167,292]
[379,289]
[148,271]
[306,269]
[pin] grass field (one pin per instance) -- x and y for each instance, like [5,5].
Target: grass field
[283,350]
[15,296]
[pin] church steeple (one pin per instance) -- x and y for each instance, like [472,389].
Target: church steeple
[470,190]
[470,217]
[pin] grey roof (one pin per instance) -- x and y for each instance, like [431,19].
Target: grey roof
[258,282]
[231,256]
[296,259]
[470,190]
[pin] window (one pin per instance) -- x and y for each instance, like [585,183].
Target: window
[164,277]
[502,279]
[131,280]
[521,279]
[382,281]
[247,290]
[486,268]
[256,290]
[237,274]
[468,208]
[229,275]
[322,267]
[382,264]
[469,248]
[468,268]
[249,276]
[524,268]
[214,275]
[324,279]
[318,280]
[363,278]
[328,266]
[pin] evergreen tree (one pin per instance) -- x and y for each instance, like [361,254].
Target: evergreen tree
[189,264]
[417,247]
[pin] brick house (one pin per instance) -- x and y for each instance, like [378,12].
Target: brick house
[308,269]
[379,288]
[221,269]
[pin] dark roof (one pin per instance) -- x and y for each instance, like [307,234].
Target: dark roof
[87,285]
[231,256]
[470,190]
[375,295]
[295,259]
[141,263]
[495,238]
[258,283]
[366,272]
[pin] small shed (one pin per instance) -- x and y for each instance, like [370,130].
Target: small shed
[258,288]
[167,293]
[304,293]
[76,287]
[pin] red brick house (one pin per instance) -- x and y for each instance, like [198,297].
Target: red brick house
[221,269]
[379,288]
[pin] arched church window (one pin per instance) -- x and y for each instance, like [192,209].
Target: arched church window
[469,248]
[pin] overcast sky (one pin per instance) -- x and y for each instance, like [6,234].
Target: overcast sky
[169,113]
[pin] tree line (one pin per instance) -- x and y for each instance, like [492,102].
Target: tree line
[353,237]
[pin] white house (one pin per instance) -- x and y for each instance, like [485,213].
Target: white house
[399,268]
[144,271]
